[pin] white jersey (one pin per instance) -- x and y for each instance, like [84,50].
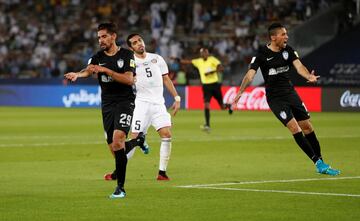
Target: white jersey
[149,78]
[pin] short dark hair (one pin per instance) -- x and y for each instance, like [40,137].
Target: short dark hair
[273,28]
[108,26]
[129,37]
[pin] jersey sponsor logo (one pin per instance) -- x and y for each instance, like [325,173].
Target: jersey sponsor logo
[106,79]
[272,71]
[132,63]
[279,70]
[153,61]
[285,55]
[283,115]
[120,63]
[269,59]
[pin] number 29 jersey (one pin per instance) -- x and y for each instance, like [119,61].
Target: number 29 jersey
[149,78]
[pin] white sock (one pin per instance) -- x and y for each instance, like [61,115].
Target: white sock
[165,151]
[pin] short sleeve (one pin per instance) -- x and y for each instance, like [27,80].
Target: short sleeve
[94,60]
[255,62]
[215,61]
[293,55]
[195,62]
[163,66]
[129,62]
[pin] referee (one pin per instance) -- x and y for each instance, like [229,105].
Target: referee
[115,69]
[209,67]
[277,61]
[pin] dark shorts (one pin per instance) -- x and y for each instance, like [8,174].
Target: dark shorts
[117,116]
[212,90]
[287,107]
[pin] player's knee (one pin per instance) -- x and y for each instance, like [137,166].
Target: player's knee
[165,133]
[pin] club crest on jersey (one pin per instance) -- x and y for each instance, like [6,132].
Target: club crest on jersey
[283,115]
[120,63]
[154,60]
[285,55]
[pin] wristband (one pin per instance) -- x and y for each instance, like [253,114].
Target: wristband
[177,98]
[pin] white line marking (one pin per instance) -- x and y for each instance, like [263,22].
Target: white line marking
[213,186]
[282,191]
[178,139]
[269,181]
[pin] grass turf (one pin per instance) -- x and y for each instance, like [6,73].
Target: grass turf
[52,161]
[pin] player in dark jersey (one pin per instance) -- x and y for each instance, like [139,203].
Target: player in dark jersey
[277,61]
[115,69]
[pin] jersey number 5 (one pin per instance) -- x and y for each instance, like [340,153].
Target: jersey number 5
[148,72]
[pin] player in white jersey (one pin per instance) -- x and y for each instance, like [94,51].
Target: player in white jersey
[151,76]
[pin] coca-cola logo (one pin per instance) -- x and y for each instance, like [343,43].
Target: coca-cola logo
[350,100]
[251,99]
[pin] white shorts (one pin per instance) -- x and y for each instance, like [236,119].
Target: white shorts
[146,114]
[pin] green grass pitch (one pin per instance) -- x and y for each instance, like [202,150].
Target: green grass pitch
[52,162]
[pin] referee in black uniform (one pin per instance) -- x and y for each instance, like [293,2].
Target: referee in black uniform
[115,69]
[277,61]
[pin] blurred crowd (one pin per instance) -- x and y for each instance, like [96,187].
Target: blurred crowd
[47,38]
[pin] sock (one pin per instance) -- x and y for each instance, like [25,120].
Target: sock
[120,165]
[130,144]
[130,154]
[305,146]
[311,137]
[207,117]
[165,151]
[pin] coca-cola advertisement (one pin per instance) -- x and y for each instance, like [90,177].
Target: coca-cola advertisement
[341,99]
[254,98]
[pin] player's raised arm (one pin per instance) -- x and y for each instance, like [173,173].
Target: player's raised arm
[248,78]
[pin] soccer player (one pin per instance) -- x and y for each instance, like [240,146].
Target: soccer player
[276,60]
[151,74]
[209,67]
[115,69]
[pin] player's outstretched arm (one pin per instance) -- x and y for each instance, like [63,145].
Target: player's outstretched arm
[125,78]
[248,78]
[171,88]
[304,72]
[73,76]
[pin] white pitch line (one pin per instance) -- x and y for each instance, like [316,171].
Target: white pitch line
[281,191]
[179,139]
[269,181]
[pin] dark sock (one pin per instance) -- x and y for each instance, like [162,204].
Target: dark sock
[311,137]
[113,175]
[305,146]
[129,145]
[161,172]
[207,117]
[120,164]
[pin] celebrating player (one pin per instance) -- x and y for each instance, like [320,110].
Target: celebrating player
[276,61]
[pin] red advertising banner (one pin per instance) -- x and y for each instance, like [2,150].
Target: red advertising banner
[253,98]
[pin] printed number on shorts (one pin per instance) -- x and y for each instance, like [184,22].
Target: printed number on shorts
[125,119]
[148,72]
[137,125]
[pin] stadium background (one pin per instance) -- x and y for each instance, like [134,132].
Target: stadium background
[42,40]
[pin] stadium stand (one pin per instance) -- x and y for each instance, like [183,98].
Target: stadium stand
[45,39]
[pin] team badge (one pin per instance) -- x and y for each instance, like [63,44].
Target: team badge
[132,63]
[285,55]
[154,60]
[283,115]
[120,63]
